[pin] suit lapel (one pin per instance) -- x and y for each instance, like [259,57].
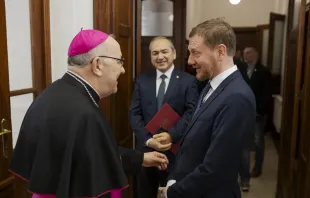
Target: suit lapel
[174,80]
[254,74]
[205,105]
[151,86]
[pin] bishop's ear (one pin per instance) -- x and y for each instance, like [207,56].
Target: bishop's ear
[96,66]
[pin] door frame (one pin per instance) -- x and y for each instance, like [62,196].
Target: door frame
[178,38]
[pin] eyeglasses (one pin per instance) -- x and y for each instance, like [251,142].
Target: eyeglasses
[119,60]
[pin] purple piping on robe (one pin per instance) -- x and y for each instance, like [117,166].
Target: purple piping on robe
[113,194]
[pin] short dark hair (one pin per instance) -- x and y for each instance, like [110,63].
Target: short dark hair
[216,32]
[164,38]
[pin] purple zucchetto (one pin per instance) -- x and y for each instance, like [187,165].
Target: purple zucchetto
[85,41]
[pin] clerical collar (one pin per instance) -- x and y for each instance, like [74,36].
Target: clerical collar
[94,94]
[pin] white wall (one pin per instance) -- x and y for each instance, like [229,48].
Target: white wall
[66,20]
[193,14]
[247,13]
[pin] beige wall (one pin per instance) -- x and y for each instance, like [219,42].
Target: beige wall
[66,19]
[246,13]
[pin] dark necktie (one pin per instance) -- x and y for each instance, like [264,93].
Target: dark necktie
[201,97]
[161,91]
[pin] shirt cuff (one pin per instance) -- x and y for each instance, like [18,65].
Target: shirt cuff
[147,142]
[170,183]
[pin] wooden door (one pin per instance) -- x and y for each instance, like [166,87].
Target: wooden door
[6,148]
[303,147]
[275,47]
[290,129]
[24,73]
[161,18]
[116,17]
[248,37]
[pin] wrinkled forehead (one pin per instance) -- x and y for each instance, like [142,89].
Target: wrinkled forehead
[160,44]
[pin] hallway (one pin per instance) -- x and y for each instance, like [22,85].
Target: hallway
[265,186]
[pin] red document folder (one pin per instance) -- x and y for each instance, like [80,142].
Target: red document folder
[164,119]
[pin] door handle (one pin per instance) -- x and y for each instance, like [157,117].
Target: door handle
[3,129]
[4,138]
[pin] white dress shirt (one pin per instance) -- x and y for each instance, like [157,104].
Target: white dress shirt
[168,74]
[251,69]
[215,82]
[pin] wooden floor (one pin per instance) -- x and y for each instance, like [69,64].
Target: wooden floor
[265,186]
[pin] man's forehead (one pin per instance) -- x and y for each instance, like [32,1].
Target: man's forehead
[248,49]
[195,42]
[160,44]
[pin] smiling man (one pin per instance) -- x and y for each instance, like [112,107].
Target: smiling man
[163,84]
[208,161]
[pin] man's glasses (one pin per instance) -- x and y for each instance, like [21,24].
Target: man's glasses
[119,60]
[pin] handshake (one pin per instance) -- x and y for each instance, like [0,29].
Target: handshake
[159,142]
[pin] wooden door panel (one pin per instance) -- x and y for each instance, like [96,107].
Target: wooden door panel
[293,165]
[275,46]
[41,77]
[6,179]
[124,35]
[247,37]
[116,17]
[7,191]
[104,21]
[285,166]
[304,137]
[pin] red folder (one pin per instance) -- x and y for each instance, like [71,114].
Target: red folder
[164,119]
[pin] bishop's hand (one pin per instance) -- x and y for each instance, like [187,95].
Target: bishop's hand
[155,159]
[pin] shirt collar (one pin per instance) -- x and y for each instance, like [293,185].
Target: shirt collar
[252,65]
[217,80]
[84,81]
[168,73]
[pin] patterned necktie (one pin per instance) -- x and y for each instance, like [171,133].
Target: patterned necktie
[161,91]
[202,96]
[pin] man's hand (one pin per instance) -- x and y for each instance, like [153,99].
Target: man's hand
[155,159]
[164,138]
[163,191]
[158,146]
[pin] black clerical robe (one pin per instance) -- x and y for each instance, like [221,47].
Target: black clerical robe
[66,146]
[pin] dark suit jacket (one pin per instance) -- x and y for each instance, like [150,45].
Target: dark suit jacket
[208,161]
[261,85]
[181,95]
